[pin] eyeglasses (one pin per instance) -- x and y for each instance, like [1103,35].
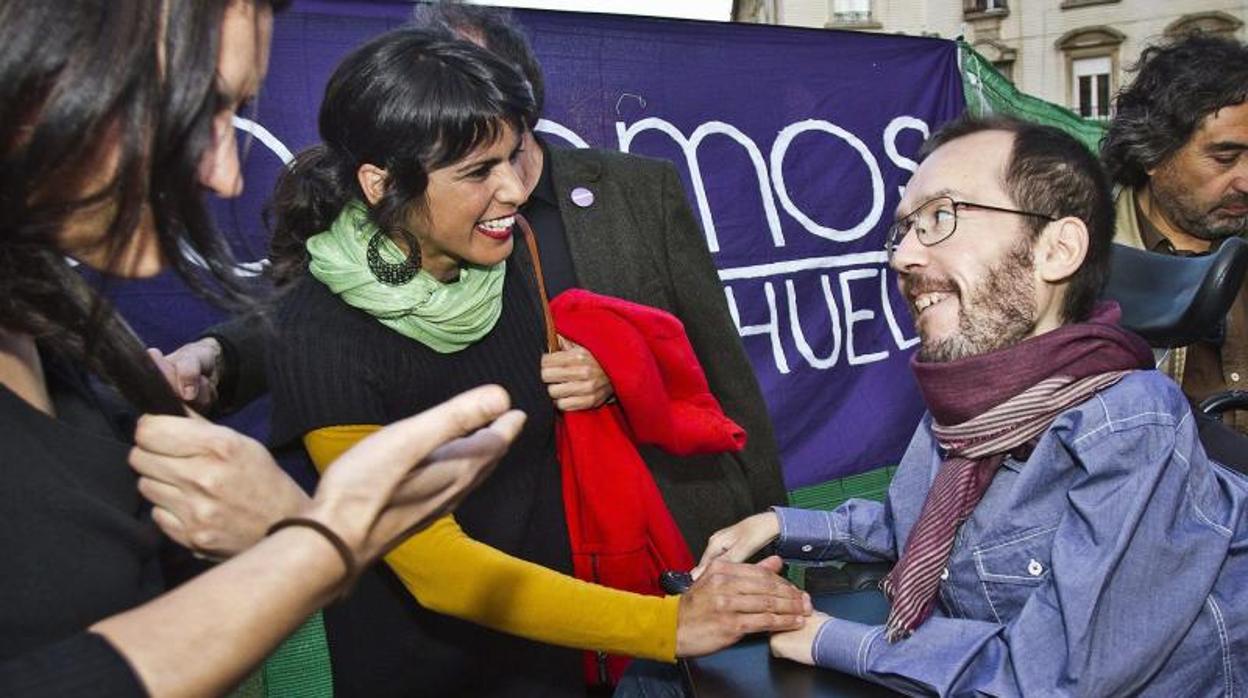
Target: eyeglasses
[935,220]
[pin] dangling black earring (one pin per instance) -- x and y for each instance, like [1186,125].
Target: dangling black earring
[391,273]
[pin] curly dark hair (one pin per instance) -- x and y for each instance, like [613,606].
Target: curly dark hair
[1176,86]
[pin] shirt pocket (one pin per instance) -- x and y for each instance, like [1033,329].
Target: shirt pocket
[1010,569]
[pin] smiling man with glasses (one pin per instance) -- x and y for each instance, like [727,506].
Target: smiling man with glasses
[1056,527]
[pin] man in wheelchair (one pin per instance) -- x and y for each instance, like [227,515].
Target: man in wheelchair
[1056,524]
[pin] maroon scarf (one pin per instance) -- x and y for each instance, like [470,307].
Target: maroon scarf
[983,407]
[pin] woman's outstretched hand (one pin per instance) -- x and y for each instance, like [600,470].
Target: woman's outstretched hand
[213,490]
[412,472]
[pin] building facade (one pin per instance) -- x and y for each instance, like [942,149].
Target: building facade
[1071,52]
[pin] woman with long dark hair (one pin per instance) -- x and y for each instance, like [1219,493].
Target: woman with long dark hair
[405,280]
[111,116]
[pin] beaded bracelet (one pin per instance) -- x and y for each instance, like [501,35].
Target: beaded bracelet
[348,559]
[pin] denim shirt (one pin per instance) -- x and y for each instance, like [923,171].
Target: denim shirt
[1113,561]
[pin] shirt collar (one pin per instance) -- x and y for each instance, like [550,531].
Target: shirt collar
[1152,238]
[1155,241]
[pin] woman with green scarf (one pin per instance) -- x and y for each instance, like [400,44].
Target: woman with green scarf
[403,283]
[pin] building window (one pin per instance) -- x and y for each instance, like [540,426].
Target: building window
[1091,86]
[973,6]
[1092,68]
[851,11]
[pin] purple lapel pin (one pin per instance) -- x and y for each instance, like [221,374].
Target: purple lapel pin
[582,197]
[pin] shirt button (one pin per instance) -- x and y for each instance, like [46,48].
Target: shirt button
[944,574]
[807,548]
[1235,377]
[1034,568]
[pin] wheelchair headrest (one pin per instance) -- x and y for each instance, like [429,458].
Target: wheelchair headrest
[1175,301]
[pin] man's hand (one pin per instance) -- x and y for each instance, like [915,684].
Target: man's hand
[730,600]
[574,378]
[798,645]
[740,540]
[193,371]
[213,490]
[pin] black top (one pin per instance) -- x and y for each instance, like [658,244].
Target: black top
[542,212]
[77,542]
[335,365]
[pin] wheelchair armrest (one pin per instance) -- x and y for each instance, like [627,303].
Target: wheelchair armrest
[1222,443]
[1224,401]
[853,576]
[1175,301]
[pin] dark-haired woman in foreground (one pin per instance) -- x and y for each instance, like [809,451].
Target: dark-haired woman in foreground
[405,282]
[106,136]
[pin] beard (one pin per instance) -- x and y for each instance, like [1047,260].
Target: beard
[1180,206]
[998,312]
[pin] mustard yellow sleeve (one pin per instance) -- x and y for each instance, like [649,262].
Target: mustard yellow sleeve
[449,572]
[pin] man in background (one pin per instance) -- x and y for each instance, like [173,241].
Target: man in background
[1178,150]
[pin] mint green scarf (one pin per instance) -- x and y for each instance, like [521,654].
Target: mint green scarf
[445,317]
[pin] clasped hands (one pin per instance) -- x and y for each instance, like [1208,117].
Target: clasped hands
[739,542]
[216,492]
[729,599]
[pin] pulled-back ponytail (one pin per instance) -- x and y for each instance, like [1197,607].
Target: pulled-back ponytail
[309,196]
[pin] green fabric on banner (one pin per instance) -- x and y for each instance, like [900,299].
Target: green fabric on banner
[989,92]
[298,668]
[872,484]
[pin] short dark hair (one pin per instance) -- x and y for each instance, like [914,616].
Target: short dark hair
[1051,172]
[1176,86]
[494,29]
[410,101]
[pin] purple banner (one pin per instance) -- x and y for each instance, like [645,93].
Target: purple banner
[793,145]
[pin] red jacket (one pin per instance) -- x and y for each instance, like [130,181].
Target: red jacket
[621,531]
